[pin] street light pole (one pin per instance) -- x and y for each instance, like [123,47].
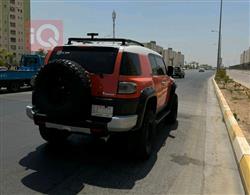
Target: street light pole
[113,17]
[219,59]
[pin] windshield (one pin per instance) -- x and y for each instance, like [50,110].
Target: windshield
[29,60]
[93,59]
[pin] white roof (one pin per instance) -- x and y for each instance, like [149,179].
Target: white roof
[139,49]
[127,48]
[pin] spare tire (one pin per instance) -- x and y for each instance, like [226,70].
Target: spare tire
[62,90]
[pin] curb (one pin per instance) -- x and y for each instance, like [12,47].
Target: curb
[239,143]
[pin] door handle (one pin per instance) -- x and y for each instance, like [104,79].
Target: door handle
[164,82]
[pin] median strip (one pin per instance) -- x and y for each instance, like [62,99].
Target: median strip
[239,143]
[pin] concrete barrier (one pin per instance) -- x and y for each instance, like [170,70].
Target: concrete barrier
[239,143]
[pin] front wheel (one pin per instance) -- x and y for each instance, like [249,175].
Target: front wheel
[13,86]
[53,135]
[142,139]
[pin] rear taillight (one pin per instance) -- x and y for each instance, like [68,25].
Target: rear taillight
[126,87]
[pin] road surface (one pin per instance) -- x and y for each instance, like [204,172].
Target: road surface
[194,156]
[240,76]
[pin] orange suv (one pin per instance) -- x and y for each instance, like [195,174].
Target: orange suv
[103,87]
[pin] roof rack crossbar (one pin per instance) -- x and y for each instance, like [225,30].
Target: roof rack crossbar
[92,39]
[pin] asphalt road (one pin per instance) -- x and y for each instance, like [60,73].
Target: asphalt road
[194,156]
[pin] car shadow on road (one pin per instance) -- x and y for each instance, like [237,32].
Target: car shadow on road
[81,161]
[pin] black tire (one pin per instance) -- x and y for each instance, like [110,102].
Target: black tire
[172,117]
[53,136]
[13,86]
[62,90]
[141,141]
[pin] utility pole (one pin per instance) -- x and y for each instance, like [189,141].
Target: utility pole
[219,59]
[113,17]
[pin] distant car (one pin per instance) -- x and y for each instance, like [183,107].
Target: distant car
[201,70]
[179,72]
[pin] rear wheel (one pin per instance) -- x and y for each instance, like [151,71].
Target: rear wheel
[141,141]
[53,135]
[171,118]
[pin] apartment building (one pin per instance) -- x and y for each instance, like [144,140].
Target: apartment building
[152,45]
[15,27]
[171,57]
[245,56]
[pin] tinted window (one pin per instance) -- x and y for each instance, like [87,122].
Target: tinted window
[130,64]
[153,64]
[93,59]
[161,65]
[157,65]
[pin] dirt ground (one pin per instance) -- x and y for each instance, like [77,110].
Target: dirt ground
[238,98]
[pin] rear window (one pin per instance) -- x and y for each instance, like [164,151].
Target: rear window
[130,64]
[93,59]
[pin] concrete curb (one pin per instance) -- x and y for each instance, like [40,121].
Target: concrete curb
[239,143]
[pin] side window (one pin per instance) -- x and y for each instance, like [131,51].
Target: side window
[161,65]
[130,64]
[157,65]
[153,64]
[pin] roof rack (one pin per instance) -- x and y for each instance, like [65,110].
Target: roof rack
[93,39]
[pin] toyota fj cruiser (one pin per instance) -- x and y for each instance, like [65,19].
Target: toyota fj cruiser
[102,87]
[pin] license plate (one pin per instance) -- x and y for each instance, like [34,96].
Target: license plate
[102,111]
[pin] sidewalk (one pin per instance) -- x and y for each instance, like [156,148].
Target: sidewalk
[240,76]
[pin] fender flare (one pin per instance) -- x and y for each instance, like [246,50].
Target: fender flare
[172,92]
[146,94]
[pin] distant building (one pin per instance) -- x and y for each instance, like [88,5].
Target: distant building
[152,45]
[14,27]
[171,57]
[245,56]
[179,59]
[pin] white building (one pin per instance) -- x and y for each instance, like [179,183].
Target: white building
[152,45]
[245,56]
[171,57]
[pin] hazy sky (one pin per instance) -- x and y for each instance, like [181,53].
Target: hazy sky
[184,25]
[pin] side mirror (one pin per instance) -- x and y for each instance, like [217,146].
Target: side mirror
[170,71]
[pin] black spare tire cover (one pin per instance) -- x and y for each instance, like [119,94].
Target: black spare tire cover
[63,90]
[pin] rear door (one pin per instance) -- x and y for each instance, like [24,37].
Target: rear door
[161,80]
[101,62]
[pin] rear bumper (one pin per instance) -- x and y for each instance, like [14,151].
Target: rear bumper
[116,124]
